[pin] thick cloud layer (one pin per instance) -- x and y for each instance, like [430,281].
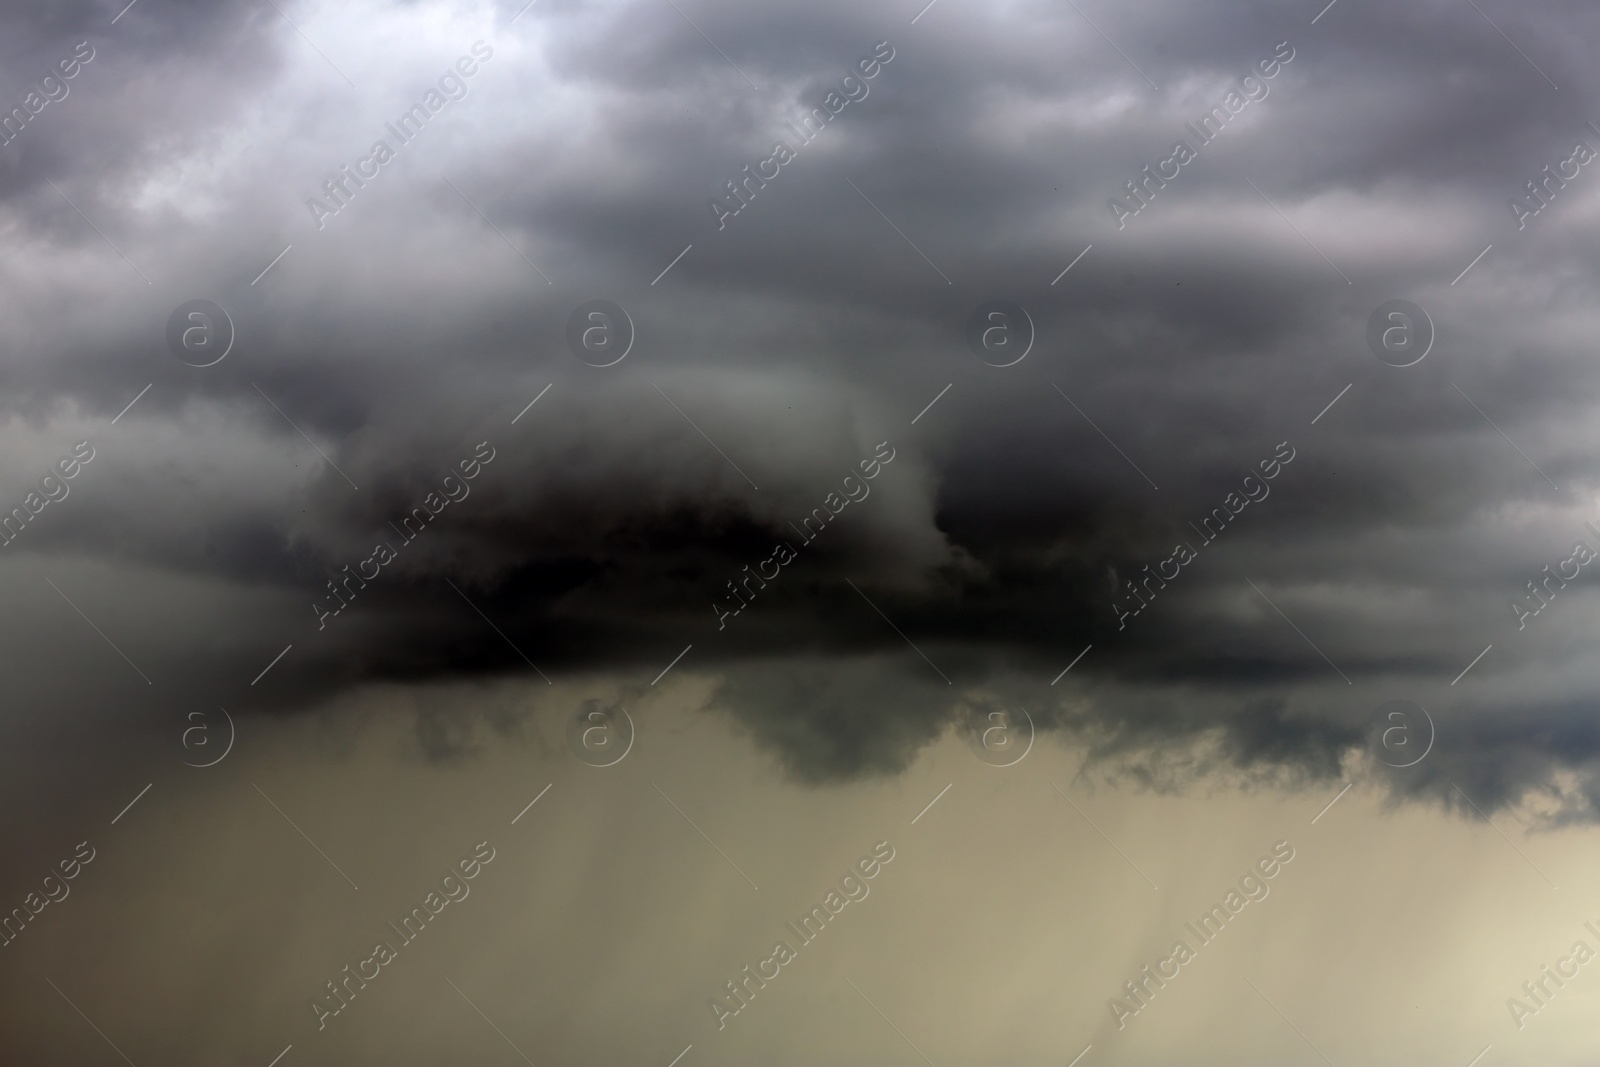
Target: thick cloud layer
[388,329]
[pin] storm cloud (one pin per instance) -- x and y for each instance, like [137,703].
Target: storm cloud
[376,348]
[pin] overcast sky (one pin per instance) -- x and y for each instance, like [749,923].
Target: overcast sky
[822,384]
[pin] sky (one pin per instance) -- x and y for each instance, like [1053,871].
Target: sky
[689,451]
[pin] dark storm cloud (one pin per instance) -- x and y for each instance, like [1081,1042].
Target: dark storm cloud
[1200,336]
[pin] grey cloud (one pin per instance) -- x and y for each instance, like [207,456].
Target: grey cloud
[807,331]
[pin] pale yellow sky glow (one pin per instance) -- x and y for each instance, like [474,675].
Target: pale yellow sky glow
[607,921]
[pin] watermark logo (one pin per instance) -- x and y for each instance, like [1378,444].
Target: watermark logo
[1400,733]
[1001,739]
[55,889]
[600,333]
[200,333]
[1538,991]
[853,88]
[1000,332]
[1253,887]
[341,187]
[738,992]
[1399,333]
[197,740]
[452,889]
[600,738]
[1542,188]
[783,553]
[1255,490]
[1141,189]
